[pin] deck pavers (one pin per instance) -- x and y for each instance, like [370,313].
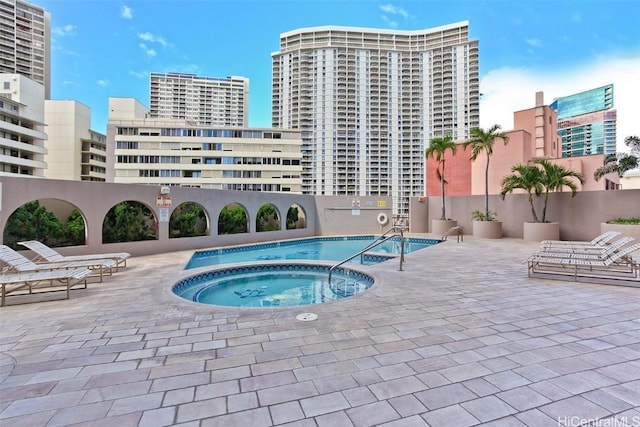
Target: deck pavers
[443,342]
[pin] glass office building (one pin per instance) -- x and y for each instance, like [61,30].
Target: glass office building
[587,122]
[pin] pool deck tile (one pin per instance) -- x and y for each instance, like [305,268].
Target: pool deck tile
[460,337]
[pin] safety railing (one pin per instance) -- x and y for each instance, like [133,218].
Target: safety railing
[397,232]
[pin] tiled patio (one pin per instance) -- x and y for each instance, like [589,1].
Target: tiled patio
[460,337]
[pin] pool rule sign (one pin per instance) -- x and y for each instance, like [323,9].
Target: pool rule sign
[355,207]
[163,202]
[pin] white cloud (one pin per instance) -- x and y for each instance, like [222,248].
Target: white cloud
[126,12]
[102,82]
[389,8]
[149,51]
[64,51]
[65,30]
[535,42]
[186,68]
[152,38]
[390,22]
[139,74]
[506,90]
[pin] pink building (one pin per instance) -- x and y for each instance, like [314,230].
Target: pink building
[534,136]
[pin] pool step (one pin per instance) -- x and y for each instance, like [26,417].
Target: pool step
[372,258]
[345,287]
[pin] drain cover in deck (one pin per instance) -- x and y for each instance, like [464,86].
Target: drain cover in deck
[306,317]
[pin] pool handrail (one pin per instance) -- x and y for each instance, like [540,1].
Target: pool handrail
[376,243]
[397,231]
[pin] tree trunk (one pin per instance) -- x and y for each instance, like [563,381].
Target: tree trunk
[443,216]
[486,190]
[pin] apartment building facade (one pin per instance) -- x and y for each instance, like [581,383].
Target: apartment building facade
[587,122]
[206,101]
[25,41]
[74,151]
[170,152]
[22,135]
[368,101]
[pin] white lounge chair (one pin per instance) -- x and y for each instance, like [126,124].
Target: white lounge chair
[23,283]
[597,242]
[17,262]
[585,251]
[617,265]
[45,253]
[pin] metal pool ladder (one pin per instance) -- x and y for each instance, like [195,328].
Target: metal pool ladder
[396,230]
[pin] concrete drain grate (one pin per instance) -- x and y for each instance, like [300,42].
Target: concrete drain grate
[306,317]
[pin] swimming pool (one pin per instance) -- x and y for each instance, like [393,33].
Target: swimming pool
[315,248]
[272,285]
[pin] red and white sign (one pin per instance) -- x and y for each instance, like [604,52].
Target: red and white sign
[163,201]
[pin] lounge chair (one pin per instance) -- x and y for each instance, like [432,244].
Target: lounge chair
[585,251]
[617,265]
[45,253]
[13,283]
[597,242]
[19,263]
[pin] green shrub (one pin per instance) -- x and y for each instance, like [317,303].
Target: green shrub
[478,215]
[32,221]
[232,220]
[625,221]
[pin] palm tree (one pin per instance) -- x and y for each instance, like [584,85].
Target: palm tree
[633,142]
[556,177]
[621,162]
[527,178]
[482,141]
[437,148]
[536,180]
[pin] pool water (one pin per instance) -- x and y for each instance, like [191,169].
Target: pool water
[272,286]
[318,248]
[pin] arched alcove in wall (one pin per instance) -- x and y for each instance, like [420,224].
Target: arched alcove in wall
[54,222]
[267,218]
[189,219]
[233,219]
[296,217]
[129,221]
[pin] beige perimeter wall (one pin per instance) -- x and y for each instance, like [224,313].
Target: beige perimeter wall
[579,217]
[324,215]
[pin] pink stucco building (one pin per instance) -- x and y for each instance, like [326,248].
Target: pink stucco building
[534,136]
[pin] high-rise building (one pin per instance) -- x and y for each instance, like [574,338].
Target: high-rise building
[587,122]
[368,101]
[75,152]
[206,101]
[174,152]
[25,45]
[22,136]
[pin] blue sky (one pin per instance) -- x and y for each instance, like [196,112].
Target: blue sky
[107,48]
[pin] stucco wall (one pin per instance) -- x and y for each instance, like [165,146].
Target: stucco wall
[95,199]
[579,217]
[339,215]
[330,215]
